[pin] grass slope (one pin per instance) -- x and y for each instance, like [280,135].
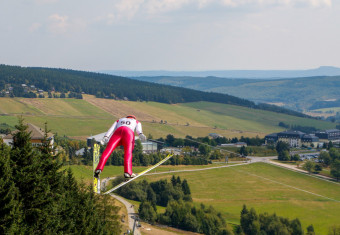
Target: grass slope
[82,118]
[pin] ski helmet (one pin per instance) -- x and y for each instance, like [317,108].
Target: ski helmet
[131,116]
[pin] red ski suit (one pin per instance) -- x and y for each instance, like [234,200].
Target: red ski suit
[123,134]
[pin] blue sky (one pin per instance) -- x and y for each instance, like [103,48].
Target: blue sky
[170,34]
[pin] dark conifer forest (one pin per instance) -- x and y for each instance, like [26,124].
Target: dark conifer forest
[111,87]
[37,197]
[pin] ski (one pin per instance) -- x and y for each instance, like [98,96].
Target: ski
[96,157]
[140,174]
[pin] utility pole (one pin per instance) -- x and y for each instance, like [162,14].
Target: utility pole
[134,224]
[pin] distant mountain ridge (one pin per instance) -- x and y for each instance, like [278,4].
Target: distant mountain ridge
[298,94]
[251,74]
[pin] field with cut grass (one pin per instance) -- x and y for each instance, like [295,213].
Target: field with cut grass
[265,187]
[269,189]
[91,116]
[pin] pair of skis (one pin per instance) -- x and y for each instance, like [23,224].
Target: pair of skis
[96,181]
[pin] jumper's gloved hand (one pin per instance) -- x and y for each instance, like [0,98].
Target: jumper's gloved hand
[142,137]
[104,140]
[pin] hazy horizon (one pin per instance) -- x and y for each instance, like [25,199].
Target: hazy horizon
[173,35]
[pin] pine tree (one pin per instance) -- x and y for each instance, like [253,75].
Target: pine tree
[10,216]
[109,213]
[147,212]
[244,217]
[38,198]
[178,181]
[28,174]
[310,230]
[185,187]
[173,180]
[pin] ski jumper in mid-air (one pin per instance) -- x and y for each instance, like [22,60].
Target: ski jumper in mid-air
[122,132]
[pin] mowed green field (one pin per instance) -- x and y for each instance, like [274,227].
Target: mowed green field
[80,119]
[265,187]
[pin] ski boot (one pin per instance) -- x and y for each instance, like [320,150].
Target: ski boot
[127,176]
[97,173]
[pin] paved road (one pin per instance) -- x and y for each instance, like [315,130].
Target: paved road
[131,212]
[129,207]
[289,167]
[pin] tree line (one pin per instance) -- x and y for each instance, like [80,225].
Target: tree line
[115,87]
[252,223]
[305,129]
[37,197]
[331,159]
[170,140]
[180,211]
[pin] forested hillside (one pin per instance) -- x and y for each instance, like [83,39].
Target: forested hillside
[109,86]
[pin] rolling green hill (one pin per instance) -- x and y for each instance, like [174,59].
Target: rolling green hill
[90,116]
[16,81]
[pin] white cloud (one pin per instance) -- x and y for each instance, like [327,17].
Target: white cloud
[110,18]
[45,1]
[319,3]
[232,3]
[126,9]
[204,3]
[156,6]
[58,24]
[34,27]
[129,9]
[313,3]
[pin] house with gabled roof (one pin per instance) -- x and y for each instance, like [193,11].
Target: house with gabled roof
[37,136]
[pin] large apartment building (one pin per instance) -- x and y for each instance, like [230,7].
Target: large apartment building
[329,135]
[293,138]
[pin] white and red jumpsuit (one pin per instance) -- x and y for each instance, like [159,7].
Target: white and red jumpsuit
[123,134]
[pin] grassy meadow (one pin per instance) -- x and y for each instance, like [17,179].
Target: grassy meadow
[265,187]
